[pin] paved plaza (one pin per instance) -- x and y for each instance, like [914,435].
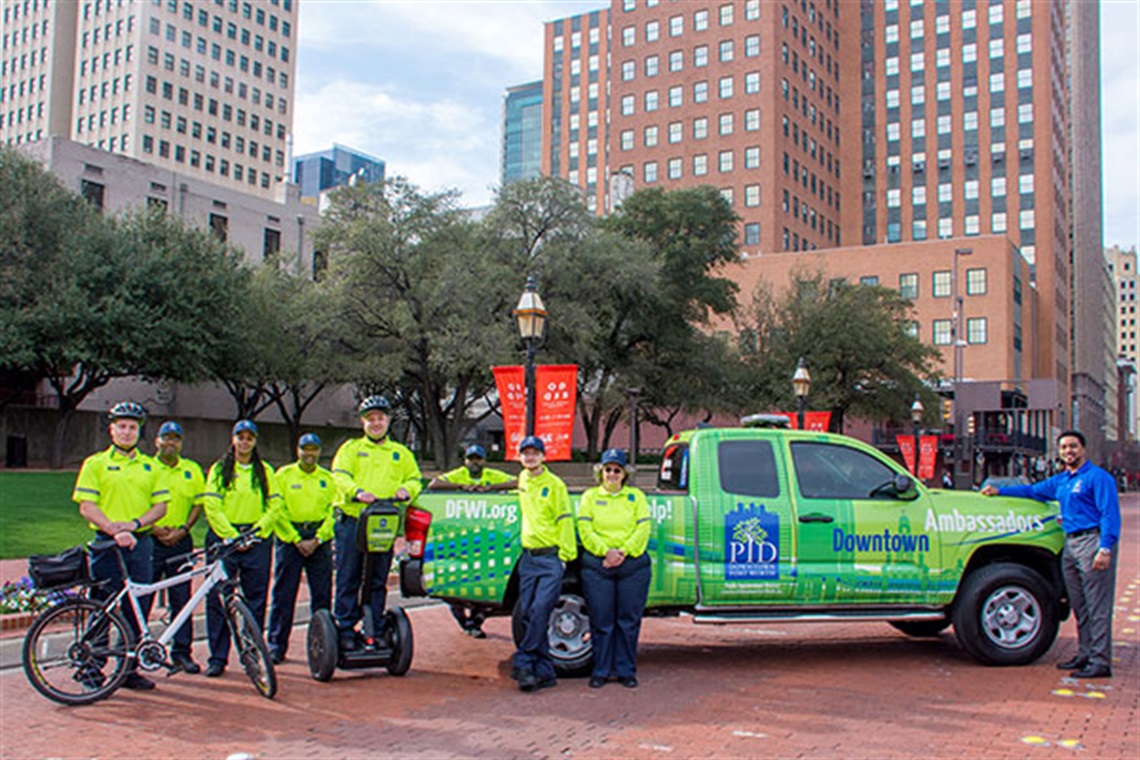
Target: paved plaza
[815,690]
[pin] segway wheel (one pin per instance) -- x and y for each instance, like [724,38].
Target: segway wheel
[322,646]
[399,631]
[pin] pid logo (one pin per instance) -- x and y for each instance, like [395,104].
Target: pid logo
[752,543]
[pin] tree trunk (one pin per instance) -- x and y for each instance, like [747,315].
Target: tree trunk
[59,436]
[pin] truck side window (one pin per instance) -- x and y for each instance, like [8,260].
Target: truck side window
[828,471]
[674,472]
[747,468]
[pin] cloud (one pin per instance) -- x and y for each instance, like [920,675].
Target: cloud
[1120,99]
[437,144]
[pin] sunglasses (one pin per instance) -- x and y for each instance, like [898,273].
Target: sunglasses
[613,470]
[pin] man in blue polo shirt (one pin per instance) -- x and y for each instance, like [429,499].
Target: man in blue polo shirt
[1090,517]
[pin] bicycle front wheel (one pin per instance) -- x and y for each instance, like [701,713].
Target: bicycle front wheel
[251,648]
[77,652]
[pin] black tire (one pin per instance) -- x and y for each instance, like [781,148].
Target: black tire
[921,629]
[398,629]
[77,653]
[322,646]
[1004,615]
[251,648]
[568,633]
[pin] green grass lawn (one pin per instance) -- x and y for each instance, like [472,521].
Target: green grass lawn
[37,515]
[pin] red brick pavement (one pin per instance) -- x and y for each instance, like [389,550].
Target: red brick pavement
[819,691]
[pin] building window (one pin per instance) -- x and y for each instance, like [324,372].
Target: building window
[628,71]
[940,284]
[724,161]
[700,92]
[752,233]
[752,46]
[725,122]
[975,282]
[674,168]
[941,332]
[676,26]
[701,56]
[650,136]
[1026,219]
[652,64]
[651,100]
[676,96]
[676,60]
[700,165]
[726,51]
[271,245]
[627,139]
[725,88]
[650,172]
[627,105]
[701,20]
[976,330]
[752,157]
[908,286]
[972,224]
[751,195]
[219,225]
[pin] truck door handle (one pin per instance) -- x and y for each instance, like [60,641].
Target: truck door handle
[816,517]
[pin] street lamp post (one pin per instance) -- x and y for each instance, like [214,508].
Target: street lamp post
[634,394]
[916,412]
[531,316]
[957,342]
[801,384]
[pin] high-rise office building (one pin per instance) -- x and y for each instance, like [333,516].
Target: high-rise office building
[833,124]
[575,91]
[327,169]
[203,88]
[522,132]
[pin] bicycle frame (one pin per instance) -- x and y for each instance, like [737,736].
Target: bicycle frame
[214,573]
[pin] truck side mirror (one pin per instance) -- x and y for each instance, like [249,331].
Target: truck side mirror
[904,485]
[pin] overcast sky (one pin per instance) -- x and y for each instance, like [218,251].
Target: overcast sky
[420,85]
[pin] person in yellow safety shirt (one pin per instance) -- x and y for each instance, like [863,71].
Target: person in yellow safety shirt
[367,468]
[241,495]
[613,523]
[548,543]
[120,494]
[172,539]
[473,477]
[304,541]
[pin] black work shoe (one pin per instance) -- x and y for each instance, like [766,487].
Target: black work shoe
[1093,671]
[597,682]
[546,683]
[527,681]
[628,682]
[1073,664]
[185,663]
[276,658]
[476,633]
[138,683]
[215,669]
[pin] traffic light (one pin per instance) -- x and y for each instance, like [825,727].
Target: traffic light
[947,410]
[970,426]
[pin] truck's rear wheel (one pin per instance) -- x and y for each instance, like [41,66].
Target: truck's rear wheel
[1004,615]
[568,633]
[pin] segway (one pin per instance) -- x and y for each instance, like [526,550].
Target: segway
[375,534]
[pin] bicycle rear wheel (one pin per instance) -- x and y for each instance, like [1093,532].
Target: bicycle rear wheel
[77,652]
[251,648]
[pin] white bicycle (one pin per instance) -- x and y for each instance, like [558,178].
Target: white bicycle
[80,650]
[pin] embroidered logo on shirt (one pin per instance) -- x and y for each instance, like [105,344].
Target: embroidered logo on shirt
[113,468]
[322,483]
[1076,487]
[362,453]
[296,485]
[187,474]
[395,456]
[545,492]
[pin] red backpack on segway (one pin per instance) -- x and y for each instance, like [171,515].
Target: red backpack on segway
[376,531]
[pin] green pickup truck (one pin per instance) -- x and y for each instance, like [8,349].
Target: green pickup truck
[753,525]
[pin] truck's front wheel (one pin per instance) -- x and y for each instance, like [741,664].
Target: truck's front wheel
[568,633]
[1003,615]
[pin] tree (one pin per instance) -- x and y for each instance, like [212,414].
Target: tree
[87,299]
[424,300]
[855,340]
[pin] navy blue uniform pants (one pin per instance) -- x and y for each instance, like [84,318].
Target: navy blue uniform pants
[176,596]
[616,598]
[140,569]
[350,573]
[540,583]
[251,569]
[287,566]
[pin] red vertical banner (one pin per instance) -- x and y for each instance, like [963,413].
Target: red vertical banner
[817,422]
[511,384]
[555,404]
[906,448]
[927,453]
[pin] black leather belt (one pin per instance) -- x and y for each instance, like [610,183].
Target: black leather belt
[307,525]
[1082,532]
[541,551]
